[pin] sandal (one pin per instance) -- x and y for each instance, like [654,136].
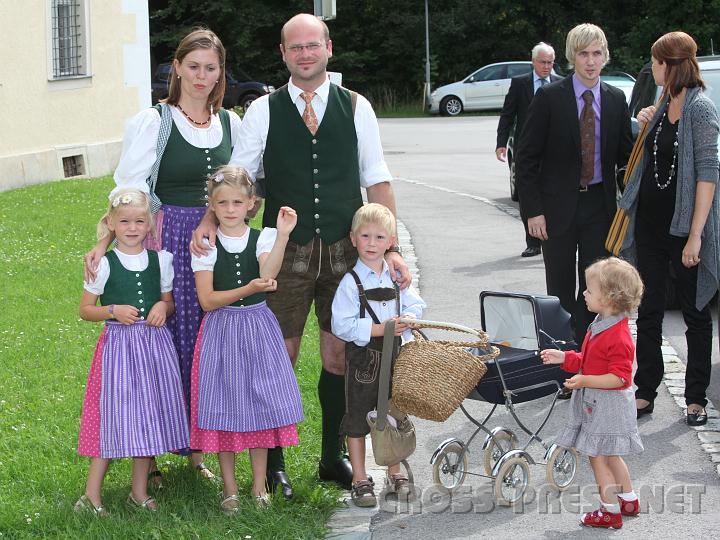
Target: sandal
[84,504]
[148,504]
[363,494]
[205,472]
[155,479]
[230,505]
[400,484]
[262,501]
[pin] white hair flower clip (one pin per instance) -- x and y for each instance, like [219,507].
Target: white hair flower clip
[219,177]
[122,199]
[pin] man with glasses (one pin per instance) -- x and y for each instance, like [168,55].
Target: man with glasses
[514,111]
[317,145]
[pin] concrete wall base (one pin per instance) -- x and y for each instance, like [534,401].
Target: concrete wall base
[42,166]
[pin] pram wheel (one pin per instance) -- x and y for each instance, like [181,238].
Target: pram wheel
[562,467]
[499,444]
[450,467]
[512,481]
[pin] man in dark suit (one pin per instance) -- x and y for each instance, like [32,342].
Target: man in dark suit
[517,100]
[576,133]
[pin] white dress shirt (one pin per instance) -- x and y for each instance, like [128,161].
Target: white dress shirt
[140,143]
[134,263]
[249,149]
[346,321]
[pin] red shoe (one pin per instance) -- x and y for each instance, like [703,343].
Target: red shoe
[603,519]
[629,508]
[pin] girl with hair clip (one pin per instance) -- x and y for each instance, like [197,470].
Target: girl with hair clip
[244,392]
[133,399]
[199,136]
[671,199]
[601,421]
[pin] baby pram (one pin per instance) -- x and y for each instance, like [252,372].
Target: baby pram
[520,326]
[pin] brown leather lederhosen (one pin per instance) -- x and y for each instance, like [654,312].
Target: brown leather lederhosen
[362,364]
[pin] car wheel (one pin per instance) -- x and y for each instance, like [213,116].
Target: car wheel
[513,187]
[451,106]
[247,99]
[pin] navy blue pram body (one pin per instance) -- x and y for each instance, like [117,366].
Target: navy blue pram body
[521,325]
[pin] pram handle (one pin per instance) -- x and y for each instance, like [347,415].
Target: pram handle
[421,323]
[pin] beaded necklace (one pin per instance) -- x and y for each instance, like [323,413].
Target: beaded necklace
[655,149]
[205,123]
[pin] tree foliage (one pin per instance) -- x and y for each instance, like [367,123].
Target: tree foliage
[379,44]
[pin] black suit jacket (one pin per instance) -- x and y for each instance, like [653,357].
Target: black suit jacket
[548,171]
[515,107]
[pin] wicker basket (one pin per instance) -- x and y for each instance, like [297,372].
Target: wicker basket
[432,378]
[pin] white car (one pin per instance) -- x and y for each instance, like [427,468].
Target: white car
[622,81]
[482,90]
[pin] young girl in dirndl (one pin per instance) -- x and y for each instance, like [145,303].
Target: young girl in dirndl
[134,404]
[602,420]
[244,392]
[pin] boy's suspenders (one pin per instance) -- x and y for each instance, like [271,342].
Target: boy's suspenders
[365,305]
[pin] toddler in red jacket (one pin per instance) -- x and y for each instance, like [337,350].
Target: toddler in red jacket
[602,421]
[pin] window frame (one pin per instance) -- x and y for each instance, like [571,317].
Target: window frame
[84,65]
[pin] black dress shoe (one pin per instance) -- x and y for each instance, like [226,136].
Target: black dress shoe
[647,409]
[531,252]
[698,418]
[340,472]
[280,478]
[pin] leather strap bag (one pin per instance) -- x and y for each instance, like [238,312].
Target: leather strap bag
[163,136]
[391,443]
[621,221]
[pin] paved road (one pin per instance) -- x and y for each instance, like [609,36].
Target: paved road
[453,198]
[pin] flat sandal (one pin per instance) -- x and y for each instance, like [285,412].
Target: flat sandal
[399,483]
[148,504]
[205,472]
[84,504]
[230,505]
[363,494]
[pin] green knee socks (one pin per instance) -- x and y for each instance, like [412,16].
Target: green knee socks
[331,393]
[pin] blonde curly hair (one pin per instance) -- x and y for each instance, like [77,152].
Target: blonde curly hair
[619,283]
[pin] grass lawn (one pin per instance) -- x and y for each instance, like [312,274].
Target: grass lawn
[45,354]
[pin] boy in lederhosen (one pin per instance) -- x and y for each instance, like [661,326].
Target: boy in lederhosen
[365,299]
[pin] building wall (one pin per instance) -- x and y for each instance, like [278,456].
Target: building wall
[45,120]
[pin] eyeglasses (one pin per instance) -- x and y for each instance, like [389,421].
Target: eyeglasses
[312,47]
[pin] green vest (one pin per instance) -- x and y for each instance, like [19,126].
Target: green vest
[128,287]
[318,176]
[184,169]
[233,270]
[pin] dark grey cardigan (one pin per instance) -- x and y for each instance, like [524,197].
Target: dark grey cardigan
[697,162]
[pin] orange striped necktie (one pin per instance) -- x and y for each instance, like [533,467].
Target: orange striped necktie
[309,113]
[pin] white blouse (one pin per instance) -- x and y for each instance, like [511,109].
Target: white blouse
[234,244]
[134,263]
[140,143]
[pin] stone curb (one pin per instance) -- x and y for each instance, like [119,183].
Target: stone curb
[674,381]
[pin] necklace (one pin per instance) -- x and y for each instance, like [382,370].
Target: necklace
[655,149]
[205,123]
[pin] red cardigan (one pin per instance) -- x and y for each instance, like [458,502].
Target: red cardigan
[611,351]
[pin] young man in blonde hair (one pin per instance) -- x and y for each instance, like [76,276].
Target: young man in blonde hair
[576,134]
